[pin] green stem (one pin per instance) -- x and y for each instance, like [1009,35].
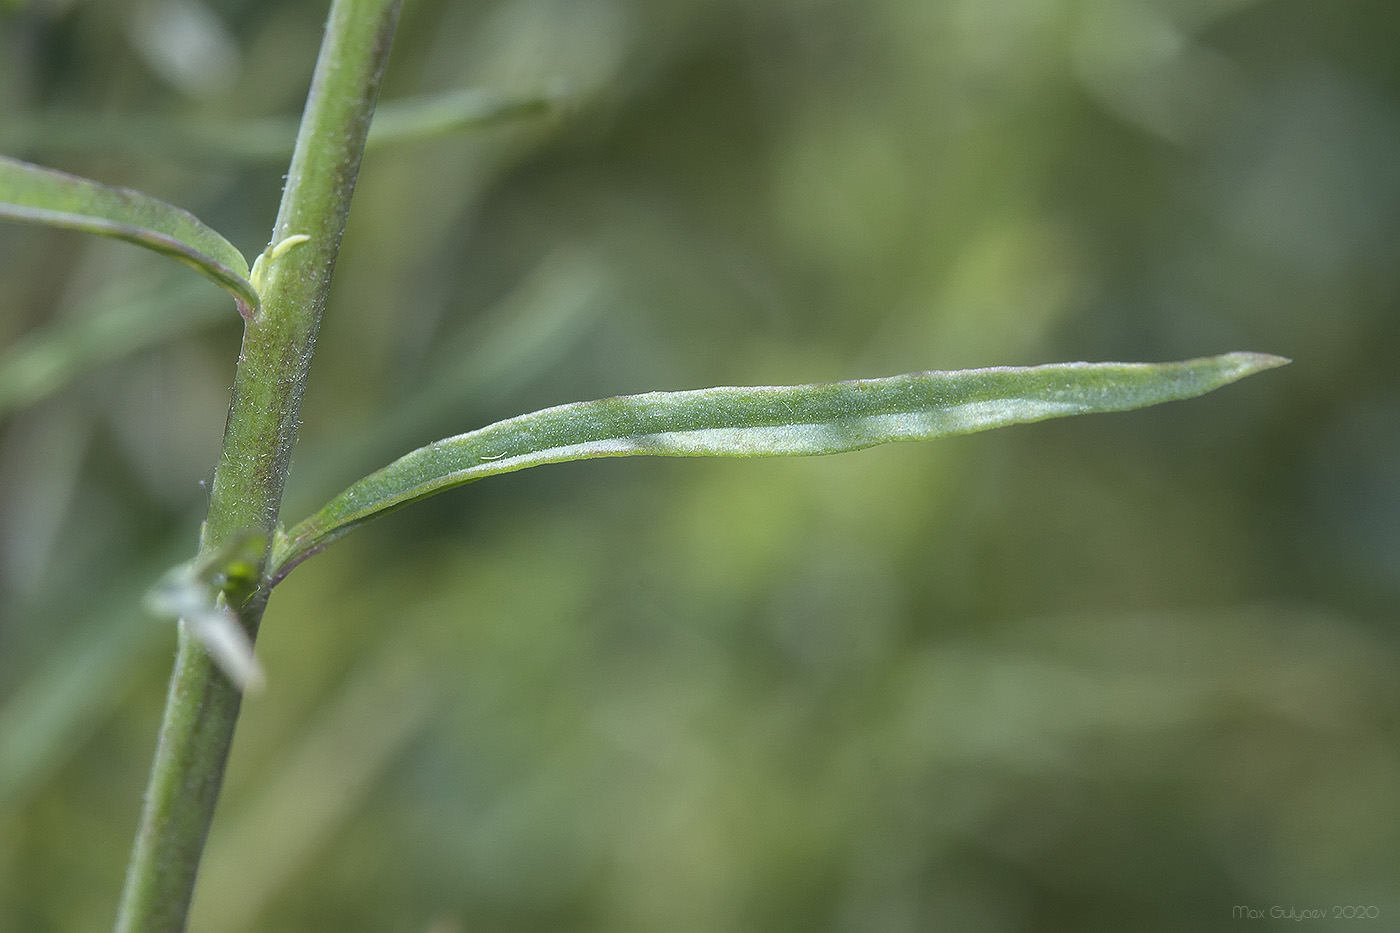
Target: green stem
[293,279]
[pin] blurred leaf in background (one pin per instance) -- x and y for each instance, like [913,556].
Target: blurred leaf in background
[1132,671]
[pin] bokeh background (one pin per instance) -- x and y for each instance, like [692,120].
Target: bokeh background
[1129,672]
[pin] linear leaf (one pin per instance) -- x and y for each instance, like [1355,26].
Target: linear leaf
[432,115]
[262,139]
[34,194]
[765,421]
[112,326]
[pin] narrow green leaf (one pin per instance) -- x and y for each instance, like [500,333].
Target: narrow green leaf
[34,194]
[433,115]
[48,713]
[113,324]
[270,138]
[765,421]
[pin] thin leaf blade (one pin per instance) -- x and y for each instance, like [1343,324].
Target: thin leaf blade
[435,115]
[268,139]
[764,421]
[34,194]
[111,325]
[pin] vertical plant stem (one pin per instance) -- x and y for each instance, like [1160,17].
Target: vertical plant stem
[293,279]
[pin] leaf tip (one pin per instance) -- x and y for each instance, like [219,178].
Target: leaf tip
[1262,361]
[1243,363]
[218,630]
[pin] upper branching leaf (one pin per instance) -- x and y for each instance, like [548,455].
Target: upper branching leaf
[33,194]
[764,421]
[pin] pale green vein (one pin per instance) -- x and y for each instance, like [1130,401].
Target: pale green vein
[765,421]
[34,194]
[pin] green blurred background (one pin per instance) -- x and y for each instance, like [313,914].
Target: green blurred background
[1128,672]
